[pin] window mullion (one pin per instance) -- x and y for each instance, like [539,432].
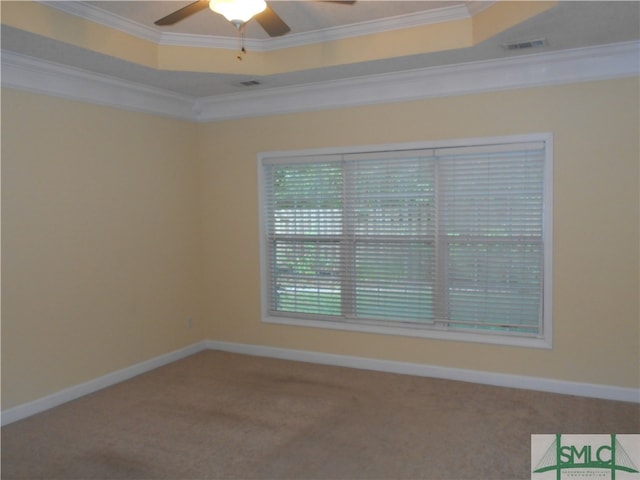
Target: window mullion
[347,245]
[441,313]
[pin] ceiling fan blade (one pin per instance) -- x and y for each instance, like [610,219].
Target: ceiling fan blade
[346,2]
[272,23]
[183,13]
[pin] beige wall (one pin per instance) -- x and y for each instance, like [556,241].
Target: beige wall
[118,226]
[100,242]
[595,127]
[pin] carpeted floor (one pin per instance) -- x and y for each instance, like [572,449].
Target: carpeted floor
[218,415]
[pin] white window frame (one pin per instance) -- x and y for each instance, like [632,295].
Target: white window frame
[544,340]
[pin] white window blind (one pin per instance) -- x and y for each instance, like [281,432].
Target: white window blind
[434,238]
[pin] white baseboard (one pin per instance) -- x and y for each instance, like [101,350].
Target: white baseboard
[25,410]
[607,392]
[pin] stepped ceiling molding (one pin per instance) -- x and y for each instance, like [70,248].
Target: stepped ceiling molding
[336,55]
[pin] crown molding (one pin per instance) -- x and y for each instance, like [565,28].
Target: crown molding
[94,14]
[151,34]
[476,6]
[439,15]
[534,70]
[38,76]
[102,17]
[552,68]
[445,14]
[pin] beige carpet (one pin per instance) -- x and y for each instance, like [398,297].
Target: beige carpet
[218,415]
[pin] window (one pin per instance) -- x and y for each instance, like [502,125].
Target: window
[448,240]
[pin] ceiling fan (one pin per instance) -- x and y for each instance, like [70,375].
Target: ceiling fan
[234,11]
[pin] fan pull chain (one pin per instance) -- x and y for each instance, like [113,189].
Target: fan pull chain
[243,51]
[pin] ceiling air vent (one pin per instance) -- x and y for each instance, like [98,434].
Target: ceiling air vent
[249,83]
[522,45]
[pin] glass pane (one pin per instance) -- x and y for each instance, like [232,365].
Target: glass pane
[492,194]
[392,197]
[306,199]
[306,277]
[394,281]
[495,286]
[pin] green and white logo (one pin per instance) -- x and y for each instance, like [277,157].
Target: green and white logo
[573,457]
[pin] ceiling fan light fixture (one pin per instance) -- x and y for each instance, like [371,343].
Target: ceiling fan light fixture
[238,12]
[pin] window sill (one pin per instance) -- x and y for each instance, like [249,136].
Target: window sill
[416,332]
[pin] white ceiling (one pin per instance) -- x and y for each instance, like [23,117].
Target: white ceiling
[570,24]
